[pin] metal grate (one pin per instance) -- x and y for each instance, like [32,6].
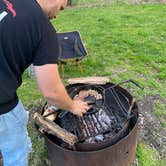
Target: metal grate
[109,118]
[90,125]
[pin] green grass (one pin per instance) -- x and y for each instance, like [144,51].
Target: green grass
[160,112]
[148,156]
[124,42]
[29,92]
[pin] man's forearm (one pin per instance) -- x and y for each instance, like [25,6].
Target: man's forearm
[54,91]
[52,87]
[60,98]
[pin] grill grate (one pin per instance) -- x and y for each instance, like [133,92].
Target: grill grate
[90,125]
[106,117]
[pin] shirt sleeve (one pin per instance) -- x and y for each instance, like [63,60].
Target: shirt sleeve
[47,49]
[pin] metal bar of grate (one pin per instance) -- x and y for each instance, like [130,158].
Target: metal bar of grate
[99,125]
[85,127]
[95,124]
[78,127]
[92,124]
[118,101]
[117,97]
[89,127]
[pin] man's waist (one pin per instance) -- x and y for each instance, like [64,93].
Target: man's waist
[8,106]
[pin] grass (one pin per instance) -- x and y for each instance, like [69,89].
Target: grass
[148,156]
[29,92]
[124,42]
[160,112]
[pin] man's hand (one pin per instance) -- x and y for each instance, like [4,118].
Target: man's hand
[79,107]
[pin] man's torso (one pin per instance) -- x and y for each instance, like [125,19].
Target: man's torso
[21,32]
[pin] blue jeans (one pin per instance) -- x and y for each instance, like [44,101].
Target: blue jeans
[15,143]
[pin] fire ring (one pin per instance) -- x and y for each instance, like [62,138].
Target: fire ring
[108,143]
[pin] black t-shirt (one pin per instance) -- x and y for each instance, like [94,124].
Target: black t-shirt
[26,36]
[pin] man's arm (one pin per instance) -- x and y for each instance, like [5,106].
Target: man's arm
[54,91]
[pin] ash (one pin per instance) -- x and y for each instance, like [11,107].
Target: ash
[103,122]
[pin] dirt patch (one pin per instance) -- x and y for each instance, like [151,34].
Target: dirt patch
[112,2]
[151,132]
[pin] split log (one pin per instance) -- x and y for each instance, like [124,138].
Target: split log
[50,114]
[89,80]
[53,128]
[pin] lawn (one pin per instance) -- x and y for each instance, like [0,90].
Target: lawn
[123,42]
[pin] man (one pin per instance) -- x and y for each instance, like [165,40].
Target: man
[27,36]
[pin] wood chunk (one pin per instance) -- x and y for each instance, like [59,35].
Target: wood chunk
[83,94]
[52,115]
[55,129]
[89,80]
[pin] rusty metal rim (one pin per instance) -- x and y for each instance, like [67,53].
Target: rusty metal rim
[91,152]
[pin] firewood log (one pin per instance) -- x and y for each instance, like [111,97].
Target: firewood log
[51,114]
[89,80]
[55,129]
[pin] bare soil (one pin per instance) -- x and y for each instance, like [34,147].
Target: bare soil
[151,131]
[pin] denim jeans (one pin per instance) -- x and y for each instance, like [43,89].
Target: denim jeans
[15,143]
